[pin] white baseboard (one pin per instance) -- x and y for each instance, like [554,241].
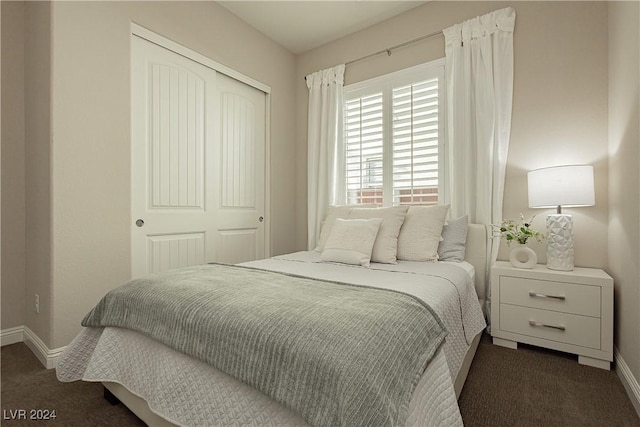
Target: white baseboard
[48,358]
[629,382]
[11,336]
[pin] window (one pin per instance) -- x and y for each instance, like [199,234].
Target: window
[394,137]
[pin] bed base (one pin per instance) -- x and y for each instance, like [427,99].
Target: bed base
[110,397]
[466,365]
[136,404]
[115,393]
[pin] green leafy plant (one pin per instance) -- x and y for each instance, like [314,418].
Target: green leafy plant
[518,232]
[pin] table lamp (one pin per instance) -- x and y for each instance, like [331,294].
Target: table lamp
[555,187]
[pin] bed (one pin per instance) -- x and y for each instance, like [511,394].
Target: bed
[163,386]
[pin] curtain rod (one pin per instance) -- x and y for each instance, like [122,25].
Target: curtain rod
[392,48]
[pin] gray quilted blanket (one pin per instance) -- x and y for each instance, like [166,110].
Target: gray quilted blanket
[337,354]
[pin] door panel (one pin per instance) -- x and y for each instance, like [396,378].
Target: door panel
[240,245]
[198,149]
[238,152]
[176,143]
[174,250]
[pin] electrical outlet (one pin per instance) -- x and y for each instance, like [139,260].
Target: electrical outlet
[37,303]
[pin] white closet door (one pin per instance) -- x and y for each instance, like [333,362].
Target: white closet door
[179,213]
[240,172]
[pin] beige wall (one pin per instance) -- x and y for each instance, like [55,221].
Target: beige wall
[25,168]
[624,185]
[559,106]
[13,166]
[38,180]
[91,126]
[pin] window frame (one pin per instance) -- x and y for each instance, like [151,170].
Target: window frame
[385,84]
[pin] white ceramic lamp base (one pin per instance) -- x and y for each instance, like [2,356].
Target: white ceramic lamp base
[560,242]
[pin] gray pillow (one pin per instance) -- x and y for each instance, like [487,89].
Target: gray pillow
[454,239]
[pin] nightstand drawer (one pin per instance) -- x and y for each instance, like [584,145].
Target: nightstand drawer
[551,325]
[548,295]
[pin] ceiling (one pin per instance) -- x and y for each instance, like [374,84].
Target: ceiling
[303,25]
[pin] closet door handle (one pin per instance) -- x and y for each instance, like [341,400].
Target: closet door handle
[537,295]
[261,219]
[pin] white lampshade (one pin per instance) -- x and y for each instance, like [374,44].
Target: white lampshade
[561,186]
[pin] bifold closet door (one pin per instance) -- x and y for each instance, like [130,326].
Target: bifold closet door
[198,149]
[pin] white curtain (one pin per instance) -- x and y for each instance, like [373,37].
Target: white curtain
[479,75]
[325,140]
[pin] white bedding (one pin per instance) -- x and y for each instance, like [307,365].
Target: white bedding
[189,392]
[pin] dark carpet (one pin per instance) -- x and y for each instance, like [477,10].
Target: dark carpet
[28,386]
[532,386]
[527,387]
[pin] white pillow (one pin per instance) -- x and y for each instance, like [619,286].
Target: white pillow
[386,245]
[454,240]
[421,233]
[351,241]
[333,213]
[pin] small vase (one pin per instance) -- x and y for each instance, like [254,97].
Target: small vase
[522,256]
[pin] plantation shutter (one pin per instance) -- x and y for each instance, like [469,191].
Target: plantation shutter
[394,148]
[364,149]
[415,143]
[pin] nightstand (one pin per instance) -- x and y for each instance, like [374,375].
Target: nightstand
[570,311]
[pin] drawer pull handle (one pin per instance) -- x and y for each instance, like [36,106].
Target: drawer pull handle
[534,323]
[537,295]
